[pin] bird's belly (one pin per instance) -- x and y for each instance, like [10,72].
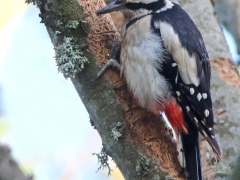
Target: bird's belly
[141,63]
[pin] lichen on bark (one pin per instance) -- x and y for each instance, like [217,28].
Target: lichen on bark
[108,101]
[98,96]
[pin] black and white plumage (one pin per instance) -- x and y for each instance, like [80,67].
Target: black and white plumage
[164,60]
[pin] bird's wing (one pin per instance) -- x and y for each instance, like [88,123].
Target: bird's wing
[187,69]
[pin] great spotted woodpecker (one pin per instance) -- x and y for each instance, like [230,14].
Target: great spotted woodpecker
[166,65]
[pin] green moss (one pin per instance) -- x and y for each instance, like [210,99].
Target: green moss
[70,58]
[72,10]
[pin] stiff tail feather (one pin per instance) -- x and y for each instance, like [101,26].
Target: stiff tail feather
[191,150]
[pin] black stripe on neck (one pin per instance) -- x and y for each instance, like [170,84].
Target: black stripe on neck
[153,6]
[132,21]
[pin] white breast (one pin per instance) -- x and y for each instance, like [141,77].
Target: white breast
[140,56]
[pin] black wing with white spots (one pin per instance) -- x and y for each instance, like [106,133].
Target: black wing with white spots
[195,101]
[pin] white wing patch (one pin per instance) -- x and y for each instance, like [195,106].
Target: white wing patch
[204,95]
[186,63]
[199,97]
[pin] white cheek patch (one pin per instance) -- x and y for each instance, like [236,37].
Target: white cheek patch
[187,65]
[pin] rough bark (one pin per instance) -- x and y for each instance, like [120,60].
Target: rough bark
[145,142]
[236,173]
[224,78]
[224,87]
[99,96]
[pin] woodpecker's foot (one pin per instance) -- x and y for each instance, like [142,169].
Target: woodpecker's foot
[115,51]
[111,63]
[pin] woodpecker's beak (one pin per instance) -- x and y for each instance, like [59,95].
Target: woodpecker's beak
[115,5]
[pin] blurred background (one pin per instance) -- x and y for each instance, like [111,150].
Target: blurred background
[42,118]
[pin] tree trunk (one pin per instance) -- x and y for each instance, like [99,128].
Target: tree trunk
[228,13]
[9,169]
[138,141]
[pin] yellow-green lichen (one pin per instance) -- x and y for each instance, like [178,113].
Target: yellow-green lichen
[103,160]
[117,131]
[62,21]
[72,24]
[143,166]
[222,171]
[69,58]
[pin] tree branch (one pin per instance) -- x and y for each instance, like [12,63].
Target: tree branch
[99,97]
[144,142]
[228,13]
[225,85]
[9,169]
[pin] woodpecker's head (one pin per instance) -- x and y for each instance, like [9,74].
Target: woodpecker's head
[116,5]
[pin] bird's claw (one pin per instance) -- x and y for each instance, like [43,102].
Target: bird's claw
[111,63]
